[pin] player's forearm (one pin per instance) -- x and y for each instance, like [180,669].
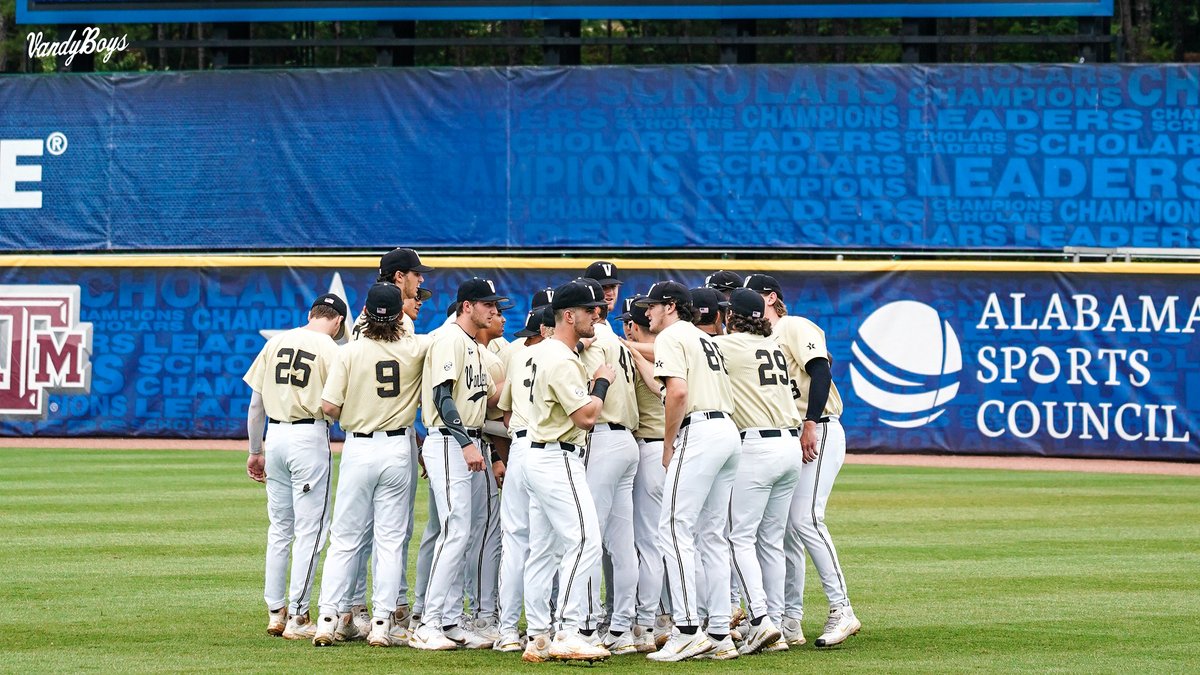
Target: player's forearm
[818,390]
[256,423]
[443,400]
[674,401]
[331,411]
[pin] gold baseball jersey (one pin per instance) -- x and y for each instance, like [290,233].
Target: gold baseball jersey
[652,415]
[762,386]
[377,384]
[290,373]
[497,345]
[684,351]
[495,370]
[803,341]
[456,357]
[558,387]
[620,404]
[517,396]
[509,349]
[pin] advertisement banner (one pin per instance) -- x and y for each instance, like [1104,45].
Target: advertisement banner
[965,358]
[697,157]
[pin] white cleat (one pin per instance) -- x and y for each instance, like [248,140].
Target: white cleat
[569,645]
[327,626]
[682,646]
[620,644]
[723,650]
[663,624]
[760,637]
[776,646]
[300,627]
[400,633]
[361,617]
[509,641]
[841,624]
[538,649]
[430,638]
[277,621]
[643,639]
[486,628]
[381,633]
[347,628]
[793,632]
[468,639]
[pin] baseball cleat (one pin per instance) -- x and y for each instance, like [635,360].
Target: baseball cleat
[485,628]
[430,638]
[643,639]
[277,621]
[569,645]
[380,635]
[362,619]
[662,629]
[347,629]
[400,633]
[300,627]
[538,649]
[620,644]
[468,639]
[793,632]
[759,637]
[682,646]
[841,624]
[737,616]
[779,645]
[723,650]
[509,641]
[327,626]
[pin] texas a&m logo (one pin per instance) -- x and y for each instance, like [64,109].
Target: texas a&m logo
[43,347]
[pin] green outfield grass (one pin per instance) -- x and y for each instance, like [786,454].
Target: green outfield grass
[152,561]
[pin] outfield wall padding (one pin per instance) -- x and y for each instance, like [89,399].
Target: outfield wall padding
[1093,360]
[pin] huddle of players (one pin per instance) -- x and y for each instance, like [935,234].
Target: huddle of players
[695,462]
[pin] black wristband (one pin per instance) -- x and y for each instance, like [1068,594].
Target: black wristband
[496,457]
[600,388]
[579,346]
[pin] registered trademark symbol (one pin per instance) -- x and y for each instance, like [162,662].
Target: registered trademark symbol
[56,143]
[54,404]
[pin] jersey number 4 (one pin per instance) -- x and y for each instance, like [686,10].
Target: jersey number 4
[294,367]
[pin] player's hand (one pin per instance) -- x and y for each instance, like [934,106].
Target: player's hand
[605,371]
[668,453]
[473,457]
[255,468]
[808,440]
[498,472]
[633,352]
[421,462]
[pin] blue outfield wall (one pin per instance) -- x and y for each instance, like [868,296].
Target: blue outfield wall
[999,358]
[771,156]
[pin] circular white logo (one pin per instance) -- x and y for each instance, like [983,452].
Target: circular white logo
[56,143]
[906,363]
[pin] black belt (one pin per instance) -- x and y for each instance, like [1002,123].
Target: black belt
[389,432]
[653,440]
[820,421]
[612,426]
[569,447]
[711,415]
[473,433]
[303,421]
[520,433]
[770,433]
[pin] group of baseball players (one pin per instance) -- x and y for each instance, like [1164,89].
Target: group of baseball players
[655,493]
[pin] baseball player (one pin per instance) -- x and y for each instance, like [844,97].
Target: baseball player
[286,378]
[823,442]
[454,400]
[373,388]
[709,307]
[653,624]
[723,281]
[563,530]
[769,467]
[611,460]
[700,451]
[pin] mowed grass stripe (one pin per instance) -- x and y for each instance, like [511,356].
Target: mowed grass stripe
[146,561]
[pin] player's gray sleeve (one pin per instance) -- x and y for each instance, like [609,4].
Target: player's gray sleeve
[818,390]
[443,400]
[256,423]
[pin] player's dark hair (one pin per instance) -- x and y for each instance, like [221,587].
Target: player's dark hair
[384,332]
[745,324]
[686,312]
[323,312]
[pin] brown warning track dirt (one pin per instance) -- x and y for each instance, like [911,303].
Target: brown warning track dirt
[938,461]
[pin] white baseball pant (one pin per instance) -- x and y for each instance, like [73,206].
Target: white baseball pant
[450,481]
[429,538]
[758,515]
[373,477]
[298,465]
[514,524]
[695,510]
[611,463]
[647,506]
[483,546]
[806,523]
[564,536]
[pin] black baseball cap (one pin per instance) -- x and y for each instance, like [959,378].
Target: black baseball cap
[707,301]
[533,322]
[602,271]
[542,298]
[577,293]
[664,292]
[763,283]
[548,316]
[424,294]
[634,312]
[401,260]
[384,303]
[723,281]
[338,304]
[478,290]
[747,302]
